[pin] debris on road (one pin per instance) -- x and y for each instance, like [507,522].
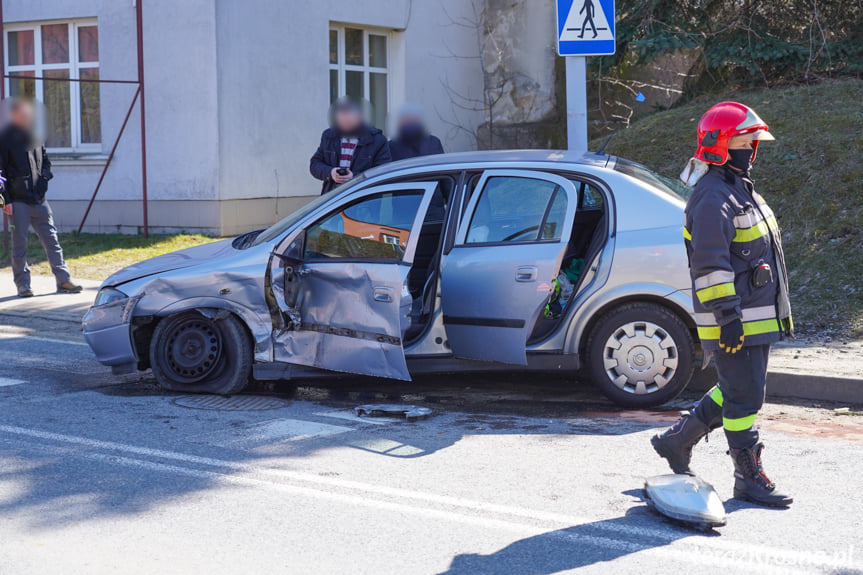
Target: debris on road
[408,412]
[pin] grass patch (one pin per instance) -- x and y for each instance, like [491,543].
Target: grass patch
[811,177]
[96,256]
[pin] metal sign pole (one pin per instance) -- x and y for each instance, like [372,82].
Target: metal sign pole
[139,21]
[576,103]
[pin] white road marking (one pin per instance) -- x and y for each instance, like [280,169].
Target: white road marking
[287,430]
[711,551]
[679,550]
[351,416]
[11,335]
[7,382]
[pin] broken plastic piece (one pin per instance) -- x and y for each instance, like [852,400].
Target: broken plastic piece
[409,412]
[685,498]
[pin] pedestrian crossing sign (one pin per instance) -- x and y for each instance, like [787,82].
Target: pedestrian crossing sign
[585,27]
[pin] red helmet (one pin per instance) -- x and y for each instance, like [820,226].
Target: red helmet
[723,122]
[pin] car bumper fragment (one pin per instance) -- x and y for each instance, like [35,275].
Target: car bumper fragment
[108,332]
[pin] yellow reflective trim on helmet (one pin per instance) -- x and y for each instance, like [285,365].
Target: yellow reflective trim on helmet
[749,328]
[687,235]
[716,292]
[739,424]
[759,230]
[716,395]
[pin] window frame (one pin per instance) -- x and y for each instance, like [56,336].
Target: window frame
[325,211]
[341,67]
[74,66]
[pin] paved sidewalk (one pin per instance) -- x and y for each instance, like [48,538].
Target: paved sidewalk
[47,303]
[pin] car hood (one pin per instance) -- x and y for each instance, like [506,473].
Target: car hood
[186,258]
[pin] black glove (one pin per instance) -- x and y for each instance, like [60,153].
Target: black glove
[731,337]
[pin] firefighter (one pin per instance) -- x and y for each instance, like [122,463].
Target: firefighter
[740,296]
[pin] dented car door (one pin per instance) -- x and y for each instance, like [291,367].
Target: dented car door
[340,285]
[496,280]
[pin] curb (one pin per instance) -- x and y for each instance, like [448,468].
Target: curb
[781,384]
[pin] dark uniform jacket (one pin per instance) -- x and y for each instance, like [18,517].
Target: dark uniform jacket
[730,231]
[15,165]
[403,148]
[372,150]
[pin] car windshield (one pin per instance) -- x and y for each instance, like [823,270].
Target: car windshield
[276,230]
[673,187]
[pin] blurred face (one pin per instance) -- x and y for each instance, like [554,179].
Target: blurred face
[22,116]
[348,120]
[410,122]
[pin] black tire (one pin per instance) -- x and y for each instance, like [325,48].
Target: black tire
[193,353]
[653,360]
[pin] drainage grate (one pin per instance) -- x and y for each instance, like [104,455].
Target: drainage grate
[231,403]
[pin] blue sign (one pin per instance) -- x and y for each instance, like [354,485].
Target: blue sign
[585,27]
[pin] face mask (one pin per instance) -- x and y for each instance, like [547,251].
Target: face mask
[411,132]
[740,159]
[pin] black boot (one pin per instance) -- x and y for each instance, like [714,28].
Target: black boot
[676,443]
[750,481]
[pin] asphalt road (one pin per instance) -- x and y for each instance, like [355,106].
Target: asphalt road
[100,474]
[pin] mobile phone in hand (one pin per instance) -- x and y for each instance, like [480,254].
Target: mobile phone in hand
[342,171]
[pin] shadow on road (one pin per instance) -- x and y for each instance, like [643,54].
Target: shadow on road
[570,548]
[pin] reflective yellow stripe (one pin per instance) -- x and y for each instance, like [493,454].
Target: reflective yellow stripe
[749,328]
[686,234]
[741,424]
[761,229]
[716,395]
[714,278]
[716,292]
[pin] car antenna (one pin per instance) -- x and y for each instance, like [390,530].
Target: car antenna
[601,151]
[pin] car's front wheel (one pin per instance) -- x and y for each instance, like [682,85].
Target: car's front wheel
[191,352]
[640,355]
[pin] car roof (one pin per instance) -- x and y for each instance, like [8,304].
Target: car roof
[495,156]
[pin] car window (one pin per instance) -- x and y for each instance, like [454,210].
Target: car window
[517,209]
[553,226]
[591,198]
[375,227]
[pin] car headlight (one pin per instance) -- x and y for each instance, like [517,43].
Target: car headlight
[109,295]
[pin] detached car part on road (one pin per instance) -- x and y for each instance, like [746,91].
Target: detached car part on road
[545,261]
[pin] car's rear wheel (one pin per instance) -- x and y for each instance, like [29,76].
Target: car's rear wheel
[640,355]
[191,352]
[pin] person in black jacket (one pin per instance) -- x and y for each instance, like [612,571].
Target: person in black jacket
[413,138]
[348,148]
[27,169]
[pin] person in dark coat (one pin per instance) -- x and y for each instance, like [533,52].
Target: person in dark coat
[348,147]
[413,138]
[27,169]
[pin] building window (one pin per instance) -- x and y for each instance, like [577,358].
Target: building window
[62,50]
[359,69]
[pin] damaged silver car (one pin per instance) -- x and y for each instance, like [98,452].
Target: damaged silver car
[539,261]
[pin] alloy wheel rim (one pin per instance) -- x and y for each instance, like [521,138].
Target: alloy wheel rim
[640,357]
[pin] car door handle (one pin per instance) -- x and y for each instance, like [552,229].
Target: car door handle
[383,294]
[526,274]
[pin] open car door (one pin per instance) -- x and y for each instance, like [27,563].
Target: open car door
[497,279]
[340,285]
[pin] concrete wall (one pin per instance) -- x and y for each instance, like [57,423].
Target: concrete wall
[237,97]
[182,111]
[274,87]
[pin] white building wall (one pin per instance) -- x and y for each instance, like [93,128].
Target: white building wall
[237,94]
[274,89]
